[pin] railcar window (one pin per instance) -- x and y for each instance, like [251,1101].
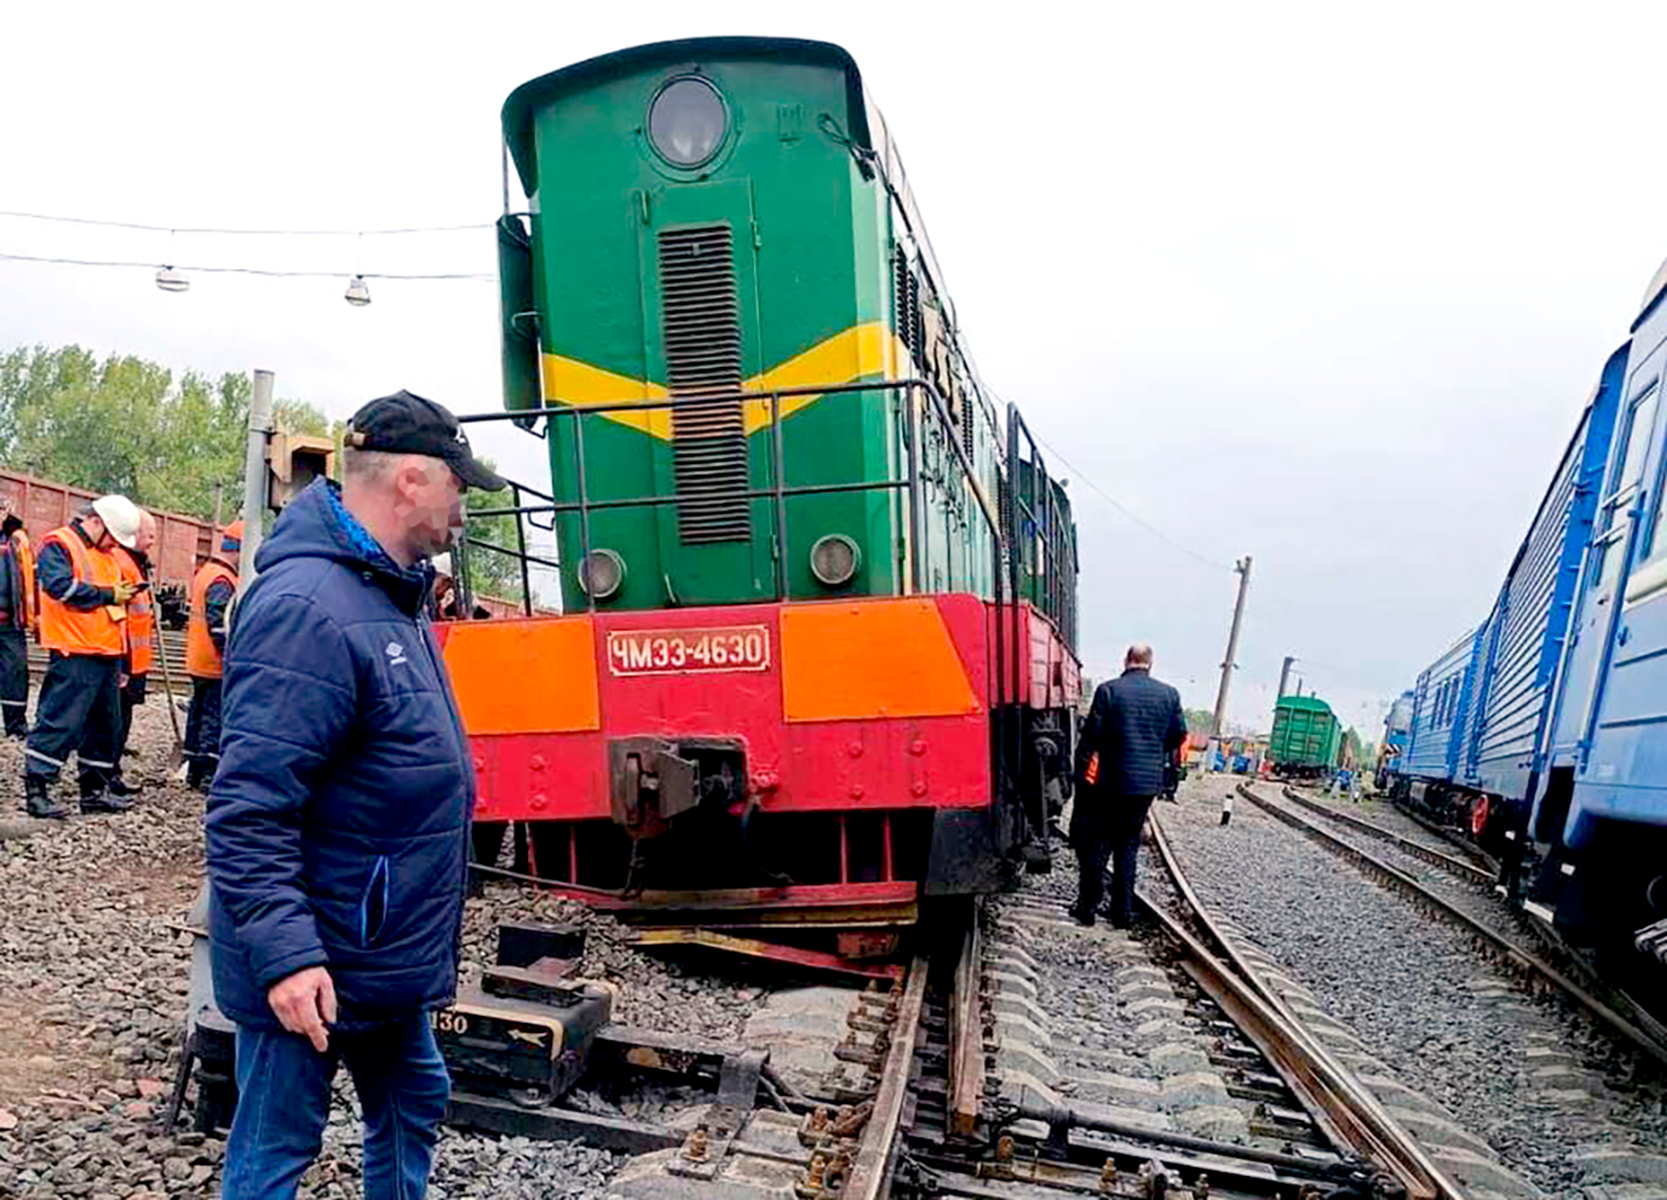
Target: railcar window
[1639,424]
[1655,547]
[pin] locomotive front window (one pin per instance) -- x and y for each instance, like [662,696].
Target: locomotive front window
[686,122]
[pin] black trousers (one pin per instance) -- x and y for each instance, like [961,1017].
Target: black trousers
[14,680]
[79,710]
[202,732]
[132,695]
[1109,829]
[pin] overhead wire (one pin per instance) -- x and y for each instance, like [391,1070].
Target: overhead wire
[263,271]
[1133,516]
[228,232]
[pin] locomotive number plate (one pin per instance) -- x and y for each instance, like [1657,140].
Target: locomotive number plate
[688,651]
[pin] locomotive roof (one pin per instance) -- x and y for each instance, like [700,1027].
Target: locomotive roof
[867,131]
[604,68]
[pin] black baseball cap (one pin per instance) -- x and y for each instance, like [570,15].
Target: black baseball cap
[404,423]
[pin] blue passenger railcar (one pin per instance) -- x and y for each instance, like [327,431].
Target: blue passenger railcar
[1440,704]
[1397,731]
[1476,743]
[1599,814]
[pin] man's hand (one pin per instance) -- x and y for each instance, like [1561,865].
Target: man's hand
[123,591]
[306,1002]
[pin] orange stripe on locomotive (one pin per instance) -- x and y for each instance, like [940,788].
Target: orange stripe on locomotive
[860,704]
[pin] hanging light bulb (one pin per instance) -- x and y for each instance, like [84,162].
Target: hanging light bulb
[170,280]
[358,292]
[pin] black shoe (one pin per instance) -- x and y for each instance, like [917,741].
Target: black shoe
[121,787]
[38,801]
[1086,920]
[98,803]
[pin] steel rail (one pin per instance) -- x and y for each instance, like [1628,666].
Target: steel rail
[1346,1111]
[966,1056]
[1470,872]
[1521,959]
[871,1168]
[1483,859]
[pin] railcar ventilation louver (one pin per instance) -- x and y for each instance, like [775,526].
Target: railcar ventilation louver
[702,326]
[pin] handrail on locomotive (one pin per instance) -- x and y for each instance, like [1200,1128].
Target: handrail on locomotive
[1006,533]
[1015,546]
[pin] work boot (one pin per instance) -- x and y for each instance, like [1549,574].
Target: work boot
[95,803]
[121,787]
[38,801]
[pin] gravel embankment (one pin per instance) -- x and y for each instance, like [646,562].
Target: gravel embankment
[1556,1097]
[93,968]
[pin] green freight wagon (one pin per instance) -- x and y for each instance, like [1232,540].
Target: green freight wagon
[1306,738]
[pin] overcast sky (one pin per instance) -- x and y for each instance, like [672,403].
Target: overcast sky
[1323,284]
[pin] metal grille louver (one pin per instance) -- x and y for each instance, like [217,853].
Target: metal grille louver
[702,326]
[906,304]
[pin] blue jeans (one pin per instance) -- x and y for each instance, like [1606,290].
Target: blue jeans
[284,1101]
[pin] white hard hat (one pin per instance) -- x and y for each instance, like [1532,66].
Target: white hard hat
[441,564]
[121,517]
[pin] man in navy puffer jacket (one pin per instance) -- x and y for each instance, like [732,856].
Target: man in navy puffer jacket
[338,824]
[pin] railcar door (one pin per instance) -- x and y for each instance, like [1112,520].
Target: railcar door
[1623,729]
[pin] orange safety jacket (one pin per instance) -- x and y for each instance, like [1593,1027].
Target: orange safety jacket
[202,659]
[141,617]
[98,632]
[24,553]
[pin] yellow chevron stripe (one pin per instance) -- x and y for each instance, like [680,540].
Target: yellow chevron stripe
[870,349]
[580,385]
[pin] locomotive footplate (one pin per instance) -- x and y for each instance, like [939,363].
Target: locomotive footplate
[528,1034]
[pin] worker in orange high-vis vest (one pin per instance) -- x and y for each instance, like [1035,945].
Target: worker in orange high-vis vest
[17,620]
[135,566]
[212,592]
[83,619]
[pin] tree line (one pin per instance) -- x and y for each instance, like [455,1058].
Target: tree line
[166,440]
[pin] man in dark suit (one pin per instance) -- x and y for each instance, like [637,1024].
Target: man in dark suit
[1131,735]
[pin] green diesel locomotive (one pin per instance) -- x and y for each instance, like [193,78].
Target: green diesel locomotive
[822,590]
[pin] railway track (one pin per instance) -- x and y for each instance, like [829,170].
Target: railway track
[1614,1012]
[1023,1055]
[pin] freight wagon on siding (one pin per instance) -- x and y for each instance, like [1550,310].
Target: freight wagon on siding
[1306,738]
[182,542]
[821,651]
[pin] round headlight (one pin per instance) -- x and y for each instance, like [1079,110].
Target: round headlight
[601,572]
[686,122]
[834,560]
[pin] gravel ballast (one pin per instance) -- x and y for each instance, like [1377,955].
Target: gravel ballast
[94,956]
[1557,1098]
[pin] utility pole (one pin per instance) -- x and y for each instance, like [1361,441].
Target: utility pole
[1284,676]
[254,473]
[1243,569]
